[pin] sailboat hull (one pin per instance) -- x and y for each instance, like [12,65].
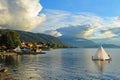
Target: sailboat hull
[101,59]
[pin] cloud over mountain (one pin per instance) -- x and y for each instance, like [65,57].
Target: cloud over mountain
[93,25]
[20,14]
[54,33]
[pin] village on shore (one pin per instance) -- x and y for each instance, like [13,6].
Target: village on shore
[11,45]
[27,48]
[11,42]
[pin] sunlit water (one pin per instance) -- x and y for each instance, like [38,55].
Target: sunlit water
[65,64]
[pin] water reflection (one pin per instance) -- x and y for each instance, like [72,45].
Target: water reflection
[10,60]
[61,64]
[101,64]
[23,67]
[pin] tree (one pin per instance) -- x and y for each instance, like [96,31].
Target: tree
[11,39]
[54,46]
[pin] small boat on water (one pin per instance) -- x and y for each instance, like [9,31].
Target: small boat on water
[101,55]
[17,49]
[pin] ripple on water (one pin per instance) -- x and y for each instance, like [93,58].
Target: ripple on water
[62,65]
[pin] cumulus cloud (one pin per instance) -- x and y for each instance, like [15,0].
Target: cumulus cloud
[20,14]
[54,33]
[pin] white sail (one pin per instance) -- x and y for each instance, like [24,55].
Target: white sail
[101,55]
[17,49]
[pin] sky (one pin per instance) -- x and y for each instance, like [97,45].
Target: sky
[100,18]
[98,7]
[93,19]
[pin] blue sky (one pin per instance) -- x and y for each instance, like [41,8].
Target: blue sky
[98,7]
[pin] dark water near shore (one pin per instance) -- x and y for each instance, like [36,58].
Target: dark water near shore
[65,64]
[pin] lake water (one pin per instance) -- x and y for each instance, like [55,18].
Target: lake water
[65,64]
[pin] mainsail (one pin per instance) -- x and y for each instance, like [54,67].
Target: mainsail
[101,55]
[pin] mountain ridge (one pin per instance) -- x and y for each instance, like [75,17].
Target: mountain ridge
[38,37]
[72,35]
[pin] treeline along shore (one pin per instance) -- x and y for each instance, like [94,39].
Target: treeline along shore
[28,41]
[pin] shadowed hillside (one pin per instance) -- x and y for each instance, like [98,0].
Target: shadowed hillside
[37,37]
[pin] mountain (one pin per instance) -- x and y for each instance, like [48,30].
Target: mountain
[64,41]
[110,46]
[71,35]
[84,43]
[78,42]
[38,37]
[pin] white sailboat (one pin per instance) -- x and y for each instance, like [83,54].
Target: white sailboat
[17,49]
[101,55]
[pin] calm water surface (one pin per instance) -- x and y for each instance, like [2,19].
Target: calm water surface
[65,64]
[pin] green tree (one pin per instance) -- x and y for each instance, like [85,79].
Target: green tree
[54,46]
[11,39]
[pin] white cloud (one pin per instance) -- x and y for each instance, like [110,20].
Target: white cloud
[57,19]
[109,34]
[104,30]
[94,24]
[54,33]
[97,31]
[20,14]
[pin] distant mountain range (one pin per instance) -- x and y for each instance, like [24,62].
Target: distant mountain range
[64,40]
[84,43]
[78,42]
[69,36]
